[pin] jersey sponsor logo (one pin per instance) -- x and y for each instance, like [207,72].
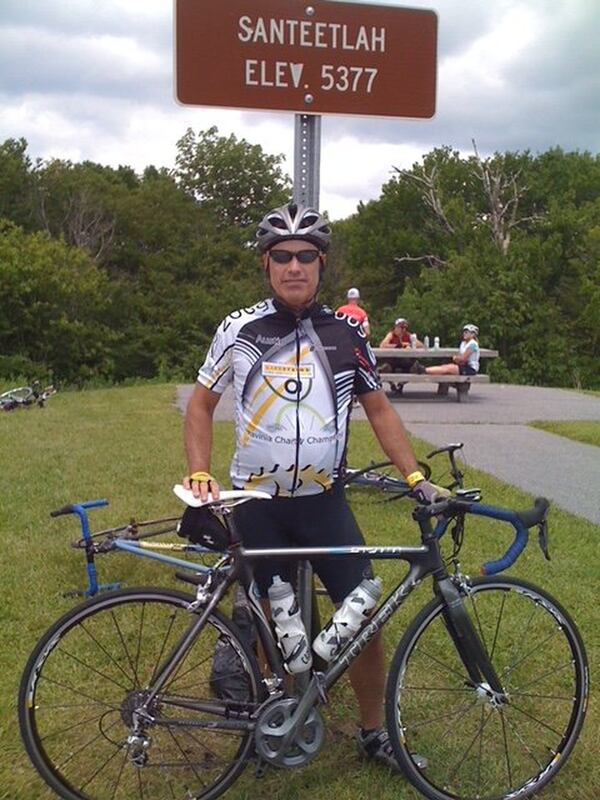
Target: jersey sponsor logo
[270,369]
[260,339]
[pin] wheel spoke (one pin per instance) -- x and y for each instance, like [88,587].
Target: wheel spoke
[506,753]
[125,649]
[535,719]
[444,666]
[469,747]
[94,700]
[533,651]
[88,743]
[106,761]
[118,781]
[543,677]
[106,653]
[78,724]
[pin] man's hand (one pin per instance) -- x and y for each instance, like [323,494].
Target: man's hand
[426,493]
[201,484]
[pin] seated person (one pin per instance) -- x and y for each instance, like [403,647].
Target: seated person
[398,338]
[467,360]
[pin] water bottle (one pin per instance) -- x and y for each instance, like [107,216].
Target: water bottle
[291,635]
[413,340]
[355,609]
[426,342]
[436,342]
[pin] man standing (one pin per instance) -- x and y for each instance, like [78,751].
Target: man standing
[295,366]
[353,309]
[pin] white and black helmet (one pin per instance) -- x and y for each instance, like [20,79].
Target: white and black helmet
[471,329]
[293,222]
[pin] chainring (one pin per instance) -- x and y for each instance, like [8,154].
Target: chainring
[274,723]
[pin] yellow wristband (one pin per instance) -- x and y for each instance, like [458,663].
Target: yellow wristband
[414,478]
[201,477]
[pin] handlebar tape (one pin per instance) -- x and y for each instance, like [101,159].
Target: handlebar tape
[74,508]
[64,510]
[511,555]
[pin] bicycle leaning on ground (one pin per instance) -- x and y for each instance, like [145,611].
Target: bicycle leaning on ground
[488,684]
[25,396]
[384,477]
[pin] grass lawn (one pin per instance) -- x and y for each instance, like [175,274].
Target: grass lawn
[586,431]
[126,445]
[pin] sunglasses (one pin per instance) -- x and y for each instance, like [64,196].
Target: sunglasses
[285,256]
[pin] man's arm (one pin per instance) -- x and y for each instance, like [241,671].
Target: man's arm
[390,431]
[387,341]
[198,437]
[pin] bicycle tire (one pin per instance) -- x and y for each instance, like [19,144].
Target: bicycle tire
[77,694]
[372,477]
[431,709]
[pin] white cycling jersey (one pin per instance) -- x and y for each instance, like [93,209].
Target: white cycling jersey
[294,379]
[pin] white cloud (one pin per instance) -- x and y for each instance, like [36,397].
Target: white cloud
[93,80]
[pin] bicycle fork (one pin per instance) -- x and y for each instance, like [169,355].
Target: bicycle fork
[468,643]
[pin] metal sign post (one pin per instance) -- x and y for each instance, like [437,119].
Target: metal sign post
[311,57]
[307,159]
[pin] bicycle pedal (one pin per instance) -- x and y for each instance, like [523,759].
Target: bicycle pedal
[261,768]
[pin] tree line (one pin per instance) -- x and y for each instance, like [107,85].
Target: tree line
[106,274]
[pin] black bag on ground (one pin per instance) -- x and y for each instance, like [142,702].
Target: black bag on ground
[228,679]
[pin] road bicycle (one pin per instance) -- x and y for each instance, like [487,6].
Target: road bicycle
[25,396]
[489,682]
[383,475]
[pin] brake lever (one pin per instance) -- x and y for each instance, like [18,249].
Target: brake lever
[543,539]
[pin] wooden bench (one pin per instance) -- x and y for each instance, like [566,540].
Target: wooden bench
[462,383]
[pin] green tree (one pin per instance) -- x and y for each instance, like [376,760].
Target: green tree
[236,180]
[15,182]
[56,306]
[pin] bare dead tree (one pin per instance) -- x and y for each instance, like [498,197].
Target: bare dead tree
[430,260]
[430,192]
[88,225]
[83,222]
[503,195]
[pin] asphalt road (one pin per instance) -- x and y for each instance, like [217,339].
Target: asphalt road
[493,424]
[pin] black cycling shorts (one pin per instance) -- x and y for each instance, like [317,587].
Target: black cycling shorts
[467,369]
[318,520]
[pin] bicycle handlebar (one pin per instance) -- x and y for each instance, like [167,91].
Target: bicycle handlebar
[74,508]
[520,520]
[449,448]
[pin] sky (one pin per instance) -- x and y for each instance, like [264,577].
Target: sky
[93,80]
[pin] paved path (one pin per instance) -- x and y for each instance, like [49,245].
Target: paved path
[492,423]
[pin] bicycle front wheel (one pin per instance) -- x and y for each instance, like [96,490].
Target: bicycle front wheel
[92,669]
[475,746]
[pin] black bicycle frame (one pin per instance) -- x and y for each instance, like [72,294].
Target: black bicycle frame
[423,561]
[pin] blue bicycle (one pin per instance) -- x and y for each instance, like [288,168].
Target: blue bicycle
[489,683]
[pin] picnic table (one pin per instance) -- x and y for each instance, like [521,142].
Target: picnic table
[462,383]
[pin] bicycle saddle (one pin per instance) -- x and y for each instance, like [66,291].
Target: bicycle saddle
[228,498]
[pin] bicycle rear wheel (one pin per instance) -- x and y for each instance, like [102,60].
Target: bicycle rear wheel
[89,673]
[382,476]
[476,748]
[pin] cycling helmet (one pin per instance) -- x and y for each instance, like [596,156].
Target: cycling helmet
[293,222]
[401,321]
[471,329]
[353,294]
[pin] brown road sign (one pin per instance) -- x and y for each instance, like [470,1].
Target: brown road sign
[308,57]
